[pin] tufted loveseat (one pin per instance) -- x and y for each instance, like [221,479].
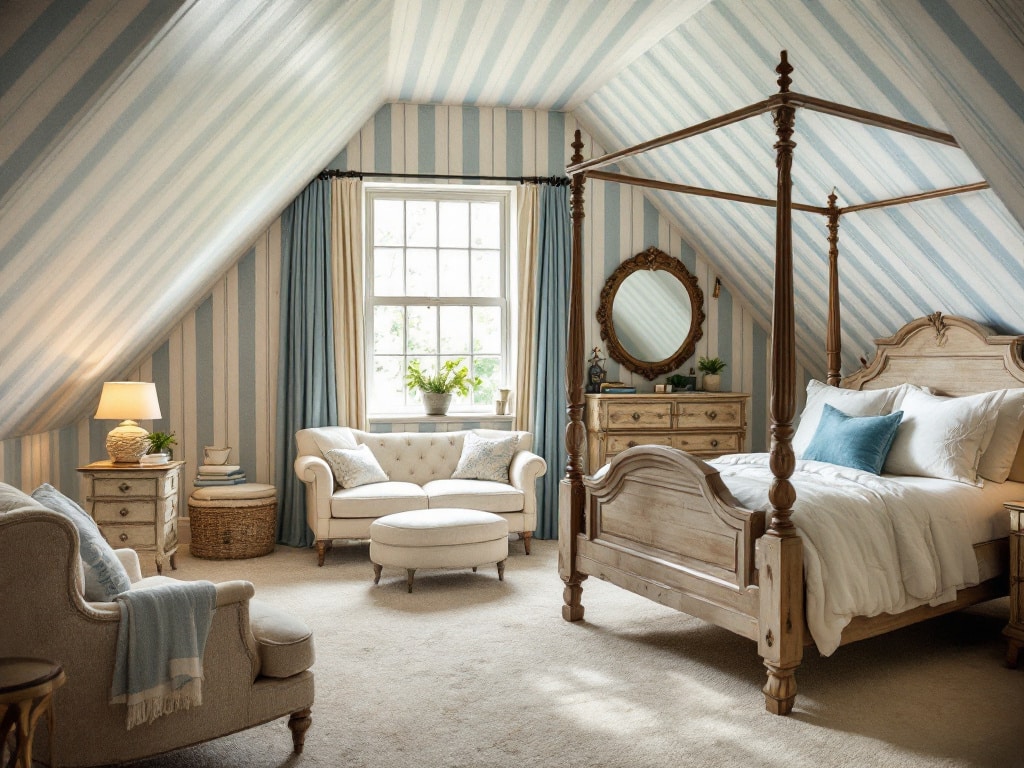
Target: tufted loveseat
[419,466]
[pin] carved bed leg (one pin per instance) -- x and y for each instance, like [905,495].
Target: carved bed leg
[527,535]
[299,722]
[780,642]
[321,550]
[568,528]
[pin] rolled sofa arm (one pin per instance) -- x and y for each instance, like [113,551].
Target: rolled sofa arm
[130,560]
[316,474]
[523,472]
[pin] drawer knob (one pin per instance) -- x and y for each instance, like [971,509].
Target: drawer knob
[123,537]
[123,512]
[711,415]
[631,444]
[714,443]
[636,416]
[124,487]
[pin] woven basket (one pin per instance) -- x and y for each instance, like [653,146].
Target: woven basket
[232,529]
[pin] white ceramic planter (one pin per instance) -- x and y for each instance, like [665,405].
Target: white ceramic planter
[712,382]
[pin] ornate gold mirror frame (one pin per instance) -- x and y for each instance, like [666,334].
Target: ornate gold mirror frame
[652,260]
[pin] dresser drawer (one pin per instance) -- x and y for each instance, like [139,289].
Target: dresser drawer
[124,486]
[707,442]
[639,415]
[620,442]
[126,511]
[708,415]
[134,536]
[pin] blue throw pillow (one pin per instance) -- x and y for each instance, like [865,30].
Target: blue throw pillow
[105,577]
[860,442]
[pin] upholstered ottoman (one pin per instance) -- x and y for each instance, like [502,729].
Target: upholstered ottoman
[232,522]
[438,538]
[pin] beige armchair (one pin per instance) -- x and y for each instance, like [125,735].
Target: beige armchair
[249,678]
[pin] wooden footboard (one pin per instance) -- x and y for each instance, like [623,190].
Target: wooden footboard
[661,523]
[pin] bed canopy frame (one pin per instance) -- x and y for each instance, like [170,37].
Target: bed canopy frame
[779,549]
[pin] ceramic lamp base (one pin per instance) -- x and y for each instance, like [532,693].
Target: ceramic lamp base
[127,443]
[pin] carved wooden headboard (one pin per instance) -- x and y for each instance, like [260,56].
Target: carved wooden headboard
[952,355]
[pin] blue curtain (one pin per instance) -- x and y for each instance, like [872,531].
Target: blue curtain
[554,249]
[306,393]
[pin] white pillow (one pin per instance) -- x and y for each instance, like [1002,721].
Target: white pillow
[997,459]
[943,437]
[852,402]
[357,466]
[484,459]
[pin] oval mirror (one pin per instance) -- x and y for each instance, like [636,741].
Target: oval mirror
[651,313]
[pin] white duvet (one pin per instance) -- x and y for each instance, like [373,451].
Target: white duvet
[875,544]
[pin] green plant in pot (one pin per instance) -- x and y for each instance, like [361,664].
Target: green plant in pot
[161,442]
[712,368]
[439,386]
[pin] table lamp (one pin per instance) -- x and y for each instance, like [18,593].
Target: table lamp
[128,400]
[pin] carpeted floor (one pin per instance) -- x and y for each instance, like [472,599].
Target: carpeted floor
[468,672]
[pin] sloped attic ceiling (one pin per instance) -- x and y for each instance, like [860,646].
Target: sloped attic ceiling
[146,142]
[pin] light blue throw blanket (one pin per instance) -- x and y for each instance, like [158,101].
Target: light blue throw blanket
[160,643]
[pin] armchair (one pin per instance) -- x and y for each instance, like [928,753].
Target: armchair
[249,678]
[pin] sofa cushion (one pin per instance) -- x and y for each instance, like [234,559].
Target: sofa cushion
[353,467]
[485,459]
[104,575]
[377,499]
[484,495]
[284,641]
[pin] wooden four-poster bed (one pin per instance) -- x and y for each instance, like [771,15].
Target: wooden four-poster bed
[663,524]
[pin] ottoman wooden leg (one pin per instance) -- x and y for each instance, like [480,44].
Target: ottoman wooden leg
[411,572]
[501,570]
[474,569]
[376,573]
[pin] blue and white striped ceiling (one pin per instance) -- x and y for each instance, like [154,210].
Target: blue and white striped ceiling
[144,144]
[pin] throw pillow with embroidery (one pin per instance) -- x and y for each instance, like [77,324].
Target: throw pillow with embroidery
[357,466]
[486,459]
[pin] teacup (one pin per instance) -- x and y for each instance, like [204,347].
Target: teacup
[215,455]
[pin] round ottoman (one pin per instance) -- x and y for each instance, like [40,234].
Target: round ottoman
[438,538]
[232,522]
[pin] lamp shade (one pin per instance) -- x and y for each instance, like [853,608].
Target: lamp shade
[128,400]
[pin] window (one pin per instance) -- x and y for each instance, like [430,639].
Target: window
[437,289]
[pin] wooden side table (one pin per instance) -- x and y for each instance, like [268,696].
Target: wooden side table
[136,505]
[1014,632]
[26,693]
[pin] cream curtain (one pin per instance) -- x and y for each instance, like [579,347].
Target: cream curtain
[347,259]
[526,350]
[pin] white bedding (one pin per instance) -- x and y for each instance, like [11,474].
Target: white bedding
[876,544]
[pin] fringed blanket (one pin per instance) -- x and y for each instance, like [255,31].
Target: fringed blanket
[160,643]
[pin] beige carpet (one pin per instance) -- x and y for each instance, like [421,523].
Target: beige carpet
[469,671]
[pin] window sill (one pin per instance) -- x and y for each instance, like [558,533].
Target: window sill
[419,418]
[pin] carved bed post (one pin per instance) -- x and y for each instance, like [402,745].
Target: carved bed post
[833,338]
[779,551]
[572,494]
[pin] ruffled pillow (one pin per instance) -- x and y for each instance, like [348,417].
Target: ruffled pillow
[105,576]
[485,459]
[357,466]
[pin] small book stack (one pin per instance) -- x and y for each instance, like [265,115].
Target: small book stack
[219,474]
[617,388]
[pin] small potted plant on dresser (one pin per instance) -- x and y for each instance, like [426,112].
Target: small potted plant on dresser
[159,448]
[438,386]
[712,368]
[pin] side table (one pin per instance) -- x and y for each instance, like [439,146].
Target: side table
[26,693]
[136,505]
[1014,632]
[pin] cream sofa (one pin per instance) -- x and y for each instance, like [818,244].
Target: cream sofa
[419,466]
[256,662]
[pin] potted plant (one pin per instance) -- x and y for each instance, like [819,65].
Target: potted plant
[437,387]
[711,367]
[160,447]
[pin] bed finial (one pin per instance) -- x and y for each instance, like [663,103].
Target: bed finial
[784,69]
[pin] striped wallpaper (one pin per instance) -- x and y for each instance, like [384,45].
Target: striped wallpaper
[216,370]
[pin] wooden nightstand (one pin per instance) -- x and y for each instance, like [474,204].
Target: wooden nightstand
[1014,631]
[136,506]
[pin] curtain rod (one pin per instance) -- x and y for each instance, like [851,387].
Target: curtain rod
[556,181]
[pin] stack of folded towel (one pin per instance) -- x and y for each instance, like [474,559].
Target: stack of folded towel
[219,474]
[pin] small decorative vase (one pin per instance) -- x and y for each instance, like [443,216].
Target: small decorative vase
[155,458]
[213,454]
[436,403]
[712,382]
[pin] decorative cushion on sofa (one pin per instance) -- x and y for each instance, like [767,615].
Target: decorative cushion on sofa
[486,459]
[357,466]
[105,577]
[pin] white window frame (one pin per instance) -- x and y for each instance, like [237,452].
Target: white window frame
[506,197]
